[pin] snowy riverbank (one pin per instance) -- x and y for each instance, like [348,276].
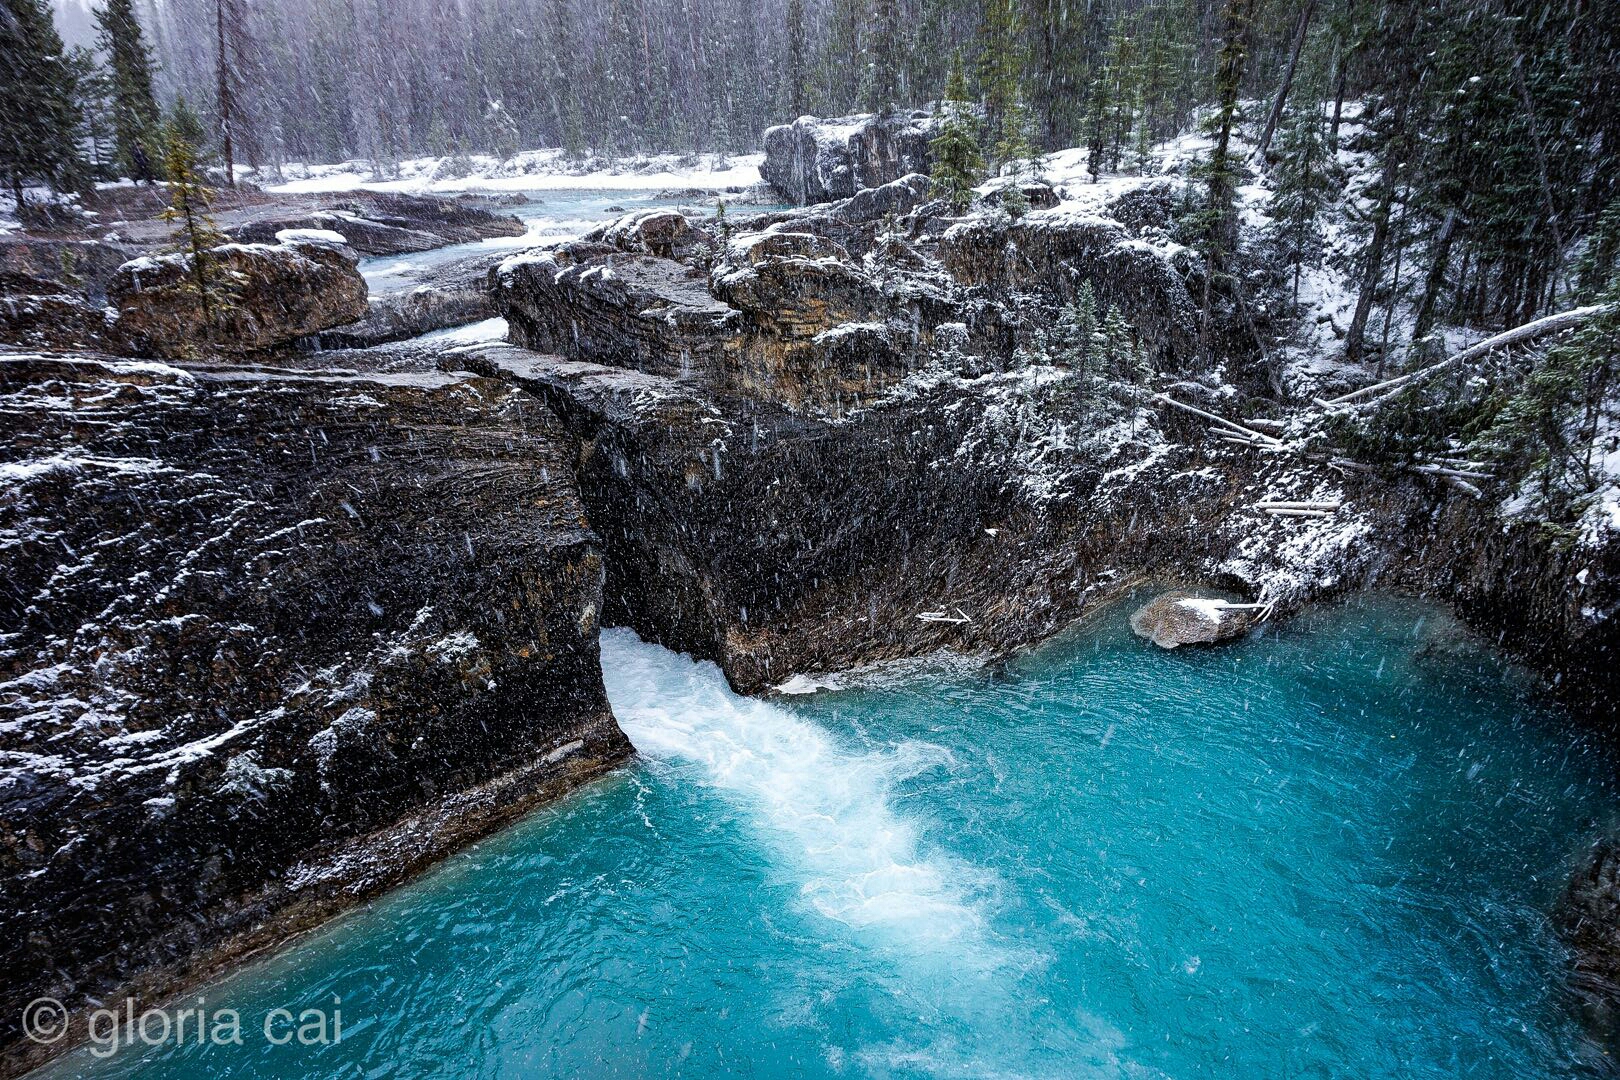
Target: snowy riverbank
[531,170]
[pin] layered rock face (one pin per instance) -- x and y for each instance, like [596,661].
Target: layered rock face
[776,543]
[810,441]
[273,641]
[815,160]
[53,293]
[806,443]
[277,293]
[1054,253]
[821,309]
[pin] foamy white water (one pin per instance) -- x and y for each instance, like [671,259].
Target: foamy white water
[823,806]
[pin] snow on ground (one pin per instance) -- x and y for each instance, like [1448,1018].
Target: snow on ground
[531,170]
[471,334]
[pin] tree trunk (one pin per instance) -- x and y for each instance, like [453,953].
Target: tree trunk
[1340,78]
[1287,81]
[1541,158]
[1436,277]
[1373,269]
[223,89]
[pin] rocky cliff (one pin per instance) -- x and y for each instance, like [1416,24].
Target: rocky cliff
[814,160]
[273,641]
[817,438]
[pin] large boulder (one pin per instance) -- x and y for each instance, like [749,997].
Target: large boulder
[390,223]
[274,293]
[638,311]
[274,640]
[1174,619]
[815,160]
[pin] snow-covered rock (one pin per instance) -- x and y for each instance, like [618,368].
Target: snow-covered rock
[1173,619]
[814,160]
[268,294]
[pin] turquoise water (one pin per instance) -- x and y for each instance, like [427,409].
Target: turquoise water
[1324,851]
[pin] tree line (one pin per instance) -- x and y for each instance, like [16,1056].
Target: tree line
[1494,125]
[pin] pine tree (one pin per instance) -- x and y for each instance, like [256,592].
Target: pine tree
[96,107]
[955,150]
[1000,67]
[184,122]
[1016,146]
[1059,33]
[564,87]
[883,53]
[794,68]
[1116,353]
[39,111]
[1306,185]
[1216,225]
[1098,116]
[1550,426]
[1600,262]
[1123,71]
[196,234]
[134,108]
[1077,329]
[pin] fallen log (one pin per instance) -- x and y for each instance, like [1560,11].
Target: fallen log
[1257,436]
[1548,324]
[1272,504]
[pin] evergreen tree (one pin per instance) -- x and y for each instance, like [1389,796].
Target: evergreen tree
[1016,145]
[1216,225]
[1098,123]
[1077,329]
[957,161]
[1059,34]
[794,68]
[1123,72]
[1306,185]
[1600,262]
[39,111]
[96,108]
[196,234]
[134,108]
[570,118]
[884,55]
[1549,428]
[1072,338]
[188,126]
[1117,349]
[1000,69]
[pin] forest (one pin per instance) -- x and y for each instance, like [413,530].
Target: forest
[1487,135]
